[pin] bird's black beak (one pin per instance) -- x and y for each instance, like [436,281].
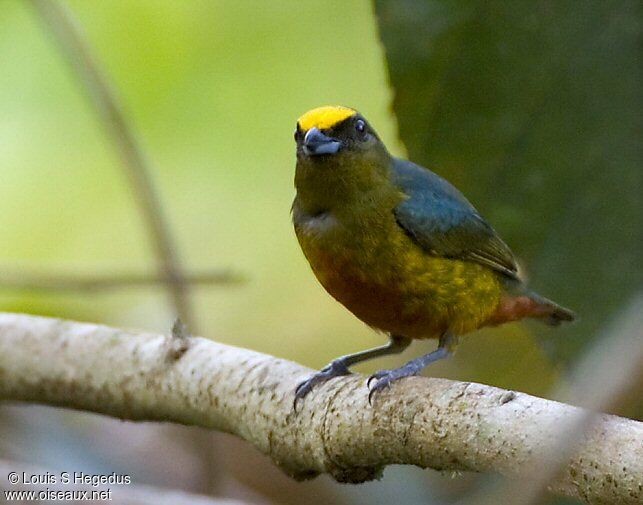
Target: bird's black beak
[316,143]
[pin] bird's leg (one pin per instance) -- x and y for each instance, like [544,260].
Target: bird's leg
[339,366]
[384,378]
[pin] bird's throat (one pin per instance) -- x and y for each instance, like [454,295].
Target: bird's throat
[337,185]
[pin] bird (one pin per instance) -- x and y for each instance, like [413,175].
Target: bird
[399,246]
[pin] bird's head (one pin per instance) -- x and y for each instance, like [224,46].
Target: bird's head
[338,153]
[334,130]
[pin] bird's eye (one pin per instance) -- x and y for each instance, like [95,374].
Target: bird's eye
[360,126]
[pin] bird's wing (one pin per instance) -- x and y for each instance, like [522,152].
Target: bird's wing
[443,222]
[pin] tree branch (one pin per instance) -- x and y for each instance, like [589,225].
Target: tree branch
[432,423]
[596,384]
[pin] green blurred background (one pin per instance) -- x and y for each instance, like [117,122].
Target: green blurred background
[532,108]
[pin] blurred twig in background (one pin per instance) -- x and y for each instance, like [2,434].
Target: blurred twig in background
[76,49]
[73,282]
[78,53]
[434,423]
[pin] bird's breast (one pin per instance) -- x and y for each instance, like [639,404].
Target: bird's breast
[376,271]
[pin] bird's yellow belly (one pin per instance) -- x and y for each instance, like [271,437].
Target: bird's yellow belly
[394,286]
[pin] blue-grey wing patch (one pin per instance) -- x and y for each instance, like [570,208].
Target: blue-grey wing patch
[442,221]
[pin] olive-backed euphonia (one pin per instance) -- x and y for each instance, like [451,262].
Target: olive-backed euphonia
[398,246]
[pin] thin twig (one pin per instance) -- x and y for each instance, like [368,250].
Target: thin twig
[76,49]
[72,282]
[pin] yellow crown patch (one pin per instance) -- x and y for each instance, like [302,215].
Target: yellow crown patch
[325,117]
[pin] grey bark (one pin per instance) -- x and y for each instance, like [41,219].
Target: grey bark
[431,423]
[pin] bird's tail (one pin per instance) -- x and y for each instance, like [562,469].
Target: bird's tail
[550,312]
[531,305]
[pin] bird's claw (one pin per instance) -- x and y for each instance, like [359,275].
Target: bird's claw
[376,376]
[384,378]
[334,369]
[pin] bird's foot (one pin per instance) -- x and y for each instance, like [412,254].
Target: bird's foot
[384,378]
[335,368]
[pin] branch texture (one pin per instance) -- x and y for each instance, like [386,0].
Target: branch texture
[434,423]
